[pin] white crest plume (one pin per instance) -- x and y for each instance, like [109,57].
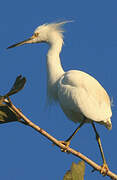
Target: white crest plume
[58,26]
[53,27]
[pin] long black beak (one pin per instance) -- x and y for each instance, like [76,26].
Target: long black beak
[27,41]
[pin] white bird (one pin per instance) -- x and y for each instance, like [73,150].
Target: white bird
[81,97]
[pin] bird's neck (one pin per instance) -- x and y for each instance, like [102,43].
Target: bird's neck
[54,67]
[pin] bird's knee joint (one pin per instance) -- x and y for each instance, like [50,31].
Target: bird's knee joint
[97,136]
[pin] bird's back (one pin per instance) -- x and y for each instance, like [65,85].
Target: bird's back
[80,95]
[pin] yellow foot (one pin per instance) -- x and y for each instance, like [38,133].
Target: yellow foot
[104,169]
[66,144]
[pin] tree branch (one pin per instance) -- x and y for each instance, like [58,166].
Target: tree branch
[58,143]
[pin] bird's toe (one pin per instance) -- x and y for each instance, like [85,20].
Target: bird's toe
[66,144]
[104,169]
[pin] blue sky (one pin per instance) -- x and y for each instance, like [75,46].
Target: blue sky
[91,46]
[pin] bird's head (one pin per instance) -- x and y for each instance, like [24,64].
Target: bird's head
[47,33]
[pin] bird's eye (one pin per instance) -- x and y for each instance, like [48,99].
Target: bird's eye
[36,34]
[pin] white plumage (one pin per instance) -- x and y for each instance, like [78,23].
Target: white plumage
[79,94]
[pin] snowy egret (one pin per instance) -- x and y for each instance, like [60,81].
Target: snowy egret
[80,96]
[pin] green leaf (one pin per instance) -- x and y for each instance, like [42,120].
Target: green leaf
[17,86]
[76,171]
[7,115]
[68,176]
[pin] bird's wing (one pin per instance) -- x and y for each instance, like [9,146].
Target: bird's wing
[81,92]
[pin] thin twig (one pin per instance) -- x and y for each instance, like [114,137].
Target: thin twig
[58,143]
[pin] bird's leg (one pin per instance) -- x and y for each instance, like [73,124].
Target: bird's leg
[67,142]
[78,128]
[104,168]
